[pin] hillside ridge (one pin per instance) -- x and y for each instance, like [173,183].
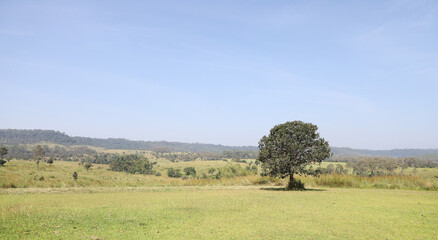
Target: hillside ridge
[25,136]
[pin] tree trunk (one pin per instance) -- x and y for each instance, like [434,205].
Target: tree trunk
[290,185]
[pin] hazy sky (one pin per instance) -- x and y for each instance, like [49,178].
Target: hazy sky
[365,72]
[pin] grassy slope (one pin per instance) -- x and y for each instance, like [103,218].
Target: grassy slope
[225,213]
[23,174]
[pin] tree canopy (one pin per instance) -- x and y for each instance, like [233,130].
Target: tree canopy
[289,148]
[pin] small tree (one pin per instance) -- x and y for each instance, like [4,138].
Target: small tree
[190,171]
[290,148]
[339,169]
[50,161]
[330,169]
[88,166]
[3,151]
[38,154]
[75,176]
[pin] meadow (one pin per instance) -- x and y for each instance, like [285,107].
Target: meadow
[23,174]
[220,213]
[101,204]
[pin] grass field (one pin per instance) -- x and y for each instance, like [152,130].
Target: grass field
[221,213]
[102,204]
[23,174]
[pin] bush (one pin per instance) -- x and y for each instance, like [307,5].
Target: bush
[2,162]
[8,185]
[132,163]
[175,173]
[190,171]
[75,176]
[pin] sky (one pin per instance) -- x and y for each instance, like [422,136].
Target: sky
[222,72]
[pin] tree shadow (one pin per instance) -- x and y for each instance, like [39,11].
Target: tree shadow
[284,190]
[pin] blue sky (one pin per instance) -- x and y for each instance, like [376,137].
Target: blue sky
[224,72]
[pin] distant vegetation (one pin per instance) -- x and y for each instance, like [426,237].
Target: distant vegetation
[380,166]
[15,136]
[23,174]
[9,137]
[230,166]
[347,153]
[234,155]
[88,154]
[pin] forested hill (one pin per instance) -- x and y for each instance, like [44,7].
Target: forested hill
[15,136]
[431,154]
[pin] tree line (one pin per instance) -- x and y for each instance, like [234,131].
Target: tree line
[227,171]
[387,166]
[17,136]
[234,155]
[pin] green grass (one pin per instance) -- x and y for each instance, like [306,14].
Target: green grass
[221,213]
[103,204]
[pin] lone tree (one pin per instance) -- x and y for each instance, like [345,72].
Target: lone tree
[38,154]
[88,166]
[289,148]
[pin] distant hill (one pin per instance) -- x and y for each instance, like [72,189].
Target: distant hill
[15,136]
[395,153]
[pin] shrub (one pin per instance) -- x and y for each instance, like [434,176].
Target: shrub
[8,185]
[75,176]
[135,164]
[190,171]
[175,173]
